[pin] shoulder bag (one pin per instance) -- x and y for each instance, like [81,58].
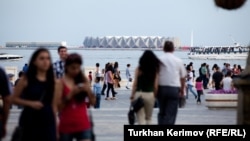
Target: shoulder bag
[131,116]
[137,104]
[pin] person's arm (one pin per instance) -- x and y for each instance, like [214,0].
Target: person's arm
[56,103]
[6,109]
[111,76]
[183,74]
[232,85]
[156,84]
[16,96]
[183,85]
[134,86]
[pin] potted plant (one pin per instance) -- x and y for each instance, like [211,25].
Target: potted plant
[221,99]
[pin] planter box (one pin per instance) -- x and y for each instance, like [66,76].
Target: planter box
[221,100]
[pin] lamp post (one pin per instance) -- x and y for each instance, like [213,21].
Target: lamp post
[242,84]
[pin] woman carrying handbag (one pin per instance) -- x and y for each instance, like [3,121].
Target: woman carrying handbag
[145,86]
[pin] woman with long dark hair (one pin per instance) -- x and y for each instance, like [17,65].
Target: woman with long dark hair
[37,93]
[76,91]
[145,85]
[110,82]
[116,75]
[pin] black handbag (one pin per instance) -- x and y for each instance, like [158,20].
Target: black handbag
[130,79]
[137,104]
[182,102]
[131,116]
[17,134]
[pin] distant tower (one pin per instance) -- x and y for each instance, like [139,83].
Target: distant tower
[192,39]
[64,43]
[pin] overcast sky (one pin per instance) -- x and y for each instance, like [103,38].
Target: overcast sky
[73,20]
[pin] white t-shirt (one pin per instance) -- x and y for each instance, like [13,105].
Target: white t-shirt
[171,70]
[190,78]
[227,82]
[98,73]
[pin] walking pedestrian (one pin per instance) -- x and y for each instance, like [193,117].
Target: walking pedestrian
[199,89]
[217,78]
[204,75]
[20,75]
[116,77]
[90,78]
[105,83]
[97,70]
[172,78]
[5,92]
[25,68]
[145,85]
[74,121]
[190,83]
[128,75]
[59,64]
[110,82]
[97,88]
[37,93]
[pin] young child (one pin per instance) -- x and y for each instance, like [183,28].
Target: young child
[97,88]
[90,77]
[199,88]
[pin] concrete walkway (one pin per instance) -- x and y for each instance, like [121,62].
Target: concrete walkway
[112,115]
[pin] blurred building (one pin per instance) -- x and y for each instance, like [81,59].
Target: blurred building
[34,44]
[128,42]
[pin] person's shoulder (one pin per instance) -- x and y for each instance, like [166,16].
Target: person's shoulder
[2,71]
[178,59]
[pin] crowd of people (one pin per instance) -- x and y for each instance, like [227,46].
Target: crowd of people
[215,78]
[55,96]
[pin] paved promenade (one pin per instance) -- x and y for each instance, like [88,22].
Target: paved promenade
[112,115]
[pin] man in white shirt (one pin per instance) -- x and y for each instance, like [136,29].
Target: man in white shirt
[172,77]
[227,82]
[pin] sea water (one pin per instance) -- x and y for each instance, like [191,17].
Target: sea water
[102,56]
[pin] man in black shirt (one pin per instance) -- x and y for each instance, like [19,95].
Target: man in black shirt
[5,92]
[217,78]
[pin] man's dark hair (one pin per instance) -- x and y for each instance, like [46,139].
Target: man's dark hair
[128,65]
[229,73]
[61,47]
[97,64]
[168,46]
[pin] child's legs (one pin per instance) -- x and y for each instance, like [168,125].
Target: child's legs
[98,101]
[199,93]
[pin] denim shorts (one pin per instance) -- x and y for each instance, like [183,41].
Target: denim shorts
[86,134]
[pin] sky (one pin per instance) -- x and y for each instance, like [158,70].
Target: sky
[73,20]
